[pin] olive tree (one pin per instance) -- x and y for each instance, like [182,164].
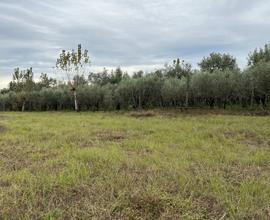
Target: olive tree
[259,55]
[218,61]
[259,76]
[173,91]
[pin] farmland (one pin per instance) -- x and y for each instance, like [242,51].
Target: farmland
[152,165]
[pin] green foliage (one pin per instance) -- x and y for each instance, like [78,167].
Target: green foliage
[22,80]
[217,61]
[261,55]
[217,88]
[173,92]
[138,74]
[73,64]
[219,83]
[46,81]
[179,69]
[116,76]
[103,78]
[259,81]
[139,93]
[72,61]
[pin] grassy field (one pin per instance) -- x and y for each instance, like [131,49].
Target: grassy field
[123,166]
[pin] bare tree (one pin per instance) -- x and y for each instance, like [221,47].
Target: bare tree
[73,64]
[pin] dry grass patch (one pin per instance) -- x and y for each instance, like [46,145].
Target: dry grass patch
[237,133]
[247,138]
[111,135]
[4,183]
[210,205]
[80,141]
[142,114]
[123,168]
[2,128]
[237,172]
[4,117]
[16,158]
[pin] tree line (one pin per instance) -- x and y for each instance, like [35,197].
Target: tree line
[217,83]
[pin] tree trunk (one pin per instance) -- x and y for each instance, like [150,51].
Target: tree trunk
[134,100]
[187,92]
[75,101]
[187,97]
[140,101]
[252,96]
[23,106]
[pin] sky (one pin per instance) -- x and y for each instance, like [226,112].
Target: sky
[141,34]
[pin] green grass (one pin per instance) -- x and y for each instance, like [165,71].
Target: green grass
[117,166]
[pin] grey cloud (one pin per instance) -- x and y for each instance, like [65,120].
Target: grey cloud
[133,34]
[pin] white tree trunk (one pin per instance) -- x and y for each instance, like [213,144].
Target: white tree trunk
[75,101]
[23,106]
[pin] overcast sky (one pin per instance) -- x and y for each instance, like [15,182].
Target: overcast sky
[141,34]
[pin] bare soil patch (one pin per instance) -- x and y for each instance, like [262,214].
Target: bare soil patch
[245,133]
[2,128]
[141,152]
[260,113]
[4,183]
[95,138]
[113,135]
[212,206]
[246,137]
[151,206]
[3,117]
[142,114]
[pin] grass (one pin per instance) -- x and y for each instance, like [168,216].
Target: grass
[126,166]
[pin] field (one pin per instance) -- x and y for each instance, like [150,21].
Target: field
[154,165]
